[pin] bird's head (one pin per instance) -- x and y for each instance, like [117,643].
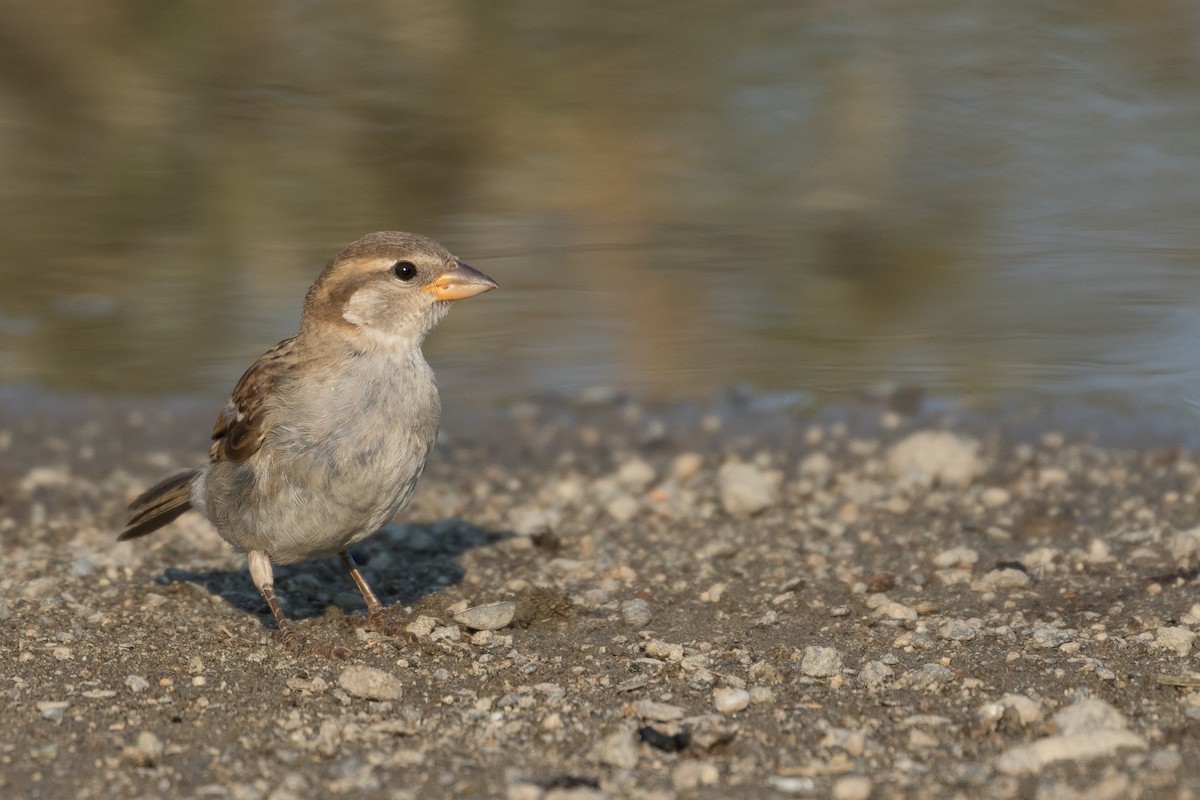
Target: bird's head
[390,287]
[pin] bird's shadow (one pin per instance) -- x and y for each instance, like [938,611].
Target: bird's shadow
[402,563]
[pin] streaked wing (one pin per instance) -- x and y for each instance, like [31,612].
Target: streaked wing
[242,424]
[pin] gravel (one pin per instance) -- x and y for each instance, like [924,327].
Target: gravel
[609,599]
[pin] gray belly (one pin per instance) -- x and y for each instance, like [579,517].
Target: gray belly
[311,503]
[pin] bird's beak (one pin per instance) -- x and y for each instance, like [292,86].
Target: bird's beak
[460,283]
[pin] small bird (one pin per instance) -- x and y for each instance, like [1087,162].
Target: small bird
[325,436]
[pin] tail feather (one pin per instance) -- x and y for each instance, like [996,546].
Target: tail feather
[159,504]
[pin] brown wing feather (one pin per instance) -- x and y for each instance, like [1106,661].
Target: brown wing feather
[242,424]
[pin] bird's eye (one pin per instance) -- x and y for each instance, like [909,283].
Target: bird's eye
[404,270]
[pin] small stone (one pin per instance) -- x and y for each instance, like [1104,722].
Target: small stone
[958,630]
[792,784]
[622,507]
[38,588]
[928,457]
[657,648]
[1047,637]
[686,465]
[636,475]
[921,740]
[53,709]
[691,775]
[1088,716]
[1005,578]
[1166,761]
[488,617]
[374,684]
[928,676]
[890,609]
[709,731]
[524,791]
[1185,544]
[449,633]
[960,557]
[995,497]
[422,626]
[821,662]
[149,744]
[747,490]
[1049,477]
[636,612]
[731,701]
[1175,638]
[137,683]
[659,712]
[616,750]
[874,674]
[530,520]
[879,582]
[817,466]
[762,695]
[1027,711]
[145,751]
[1099,552]
[852,787]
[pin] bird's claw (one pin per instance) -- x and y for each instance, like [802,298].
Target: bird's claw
[298,645]
[381,622]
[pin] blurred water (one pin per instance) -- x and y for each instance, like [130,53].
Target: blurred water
[983,200]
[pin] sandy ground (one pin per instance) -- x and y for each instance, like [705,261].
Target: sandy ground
[744,600]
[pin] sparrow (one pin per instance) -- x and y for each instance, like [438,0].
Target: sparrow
[326,434]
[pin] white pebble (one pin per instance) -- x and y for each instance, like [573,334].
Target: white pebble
[960,557]
[694,774]
[53,709]
[422,626]
[636,475]
[747,490]
[1007,578]
[489,616]
[730,701]
[369,682]
[686,465]
[615,750]
[1175,638]
[928,457]
[622,507]
[852,787]
[995,497]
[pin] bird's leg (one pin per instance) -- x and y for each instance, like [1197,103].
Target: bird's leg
[264,578]
[377,618]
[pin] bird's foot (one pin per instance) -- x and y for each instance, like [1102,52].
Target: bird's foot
[381,622]
[299,645]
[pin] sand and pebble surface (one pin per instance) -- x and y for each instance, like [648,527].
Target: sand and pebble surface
[605,598]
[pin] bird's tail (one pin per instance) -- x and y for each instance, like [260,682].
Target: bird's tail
[160,504]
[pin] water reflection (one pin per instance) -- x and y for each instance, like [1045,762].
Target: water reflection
[828,195]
